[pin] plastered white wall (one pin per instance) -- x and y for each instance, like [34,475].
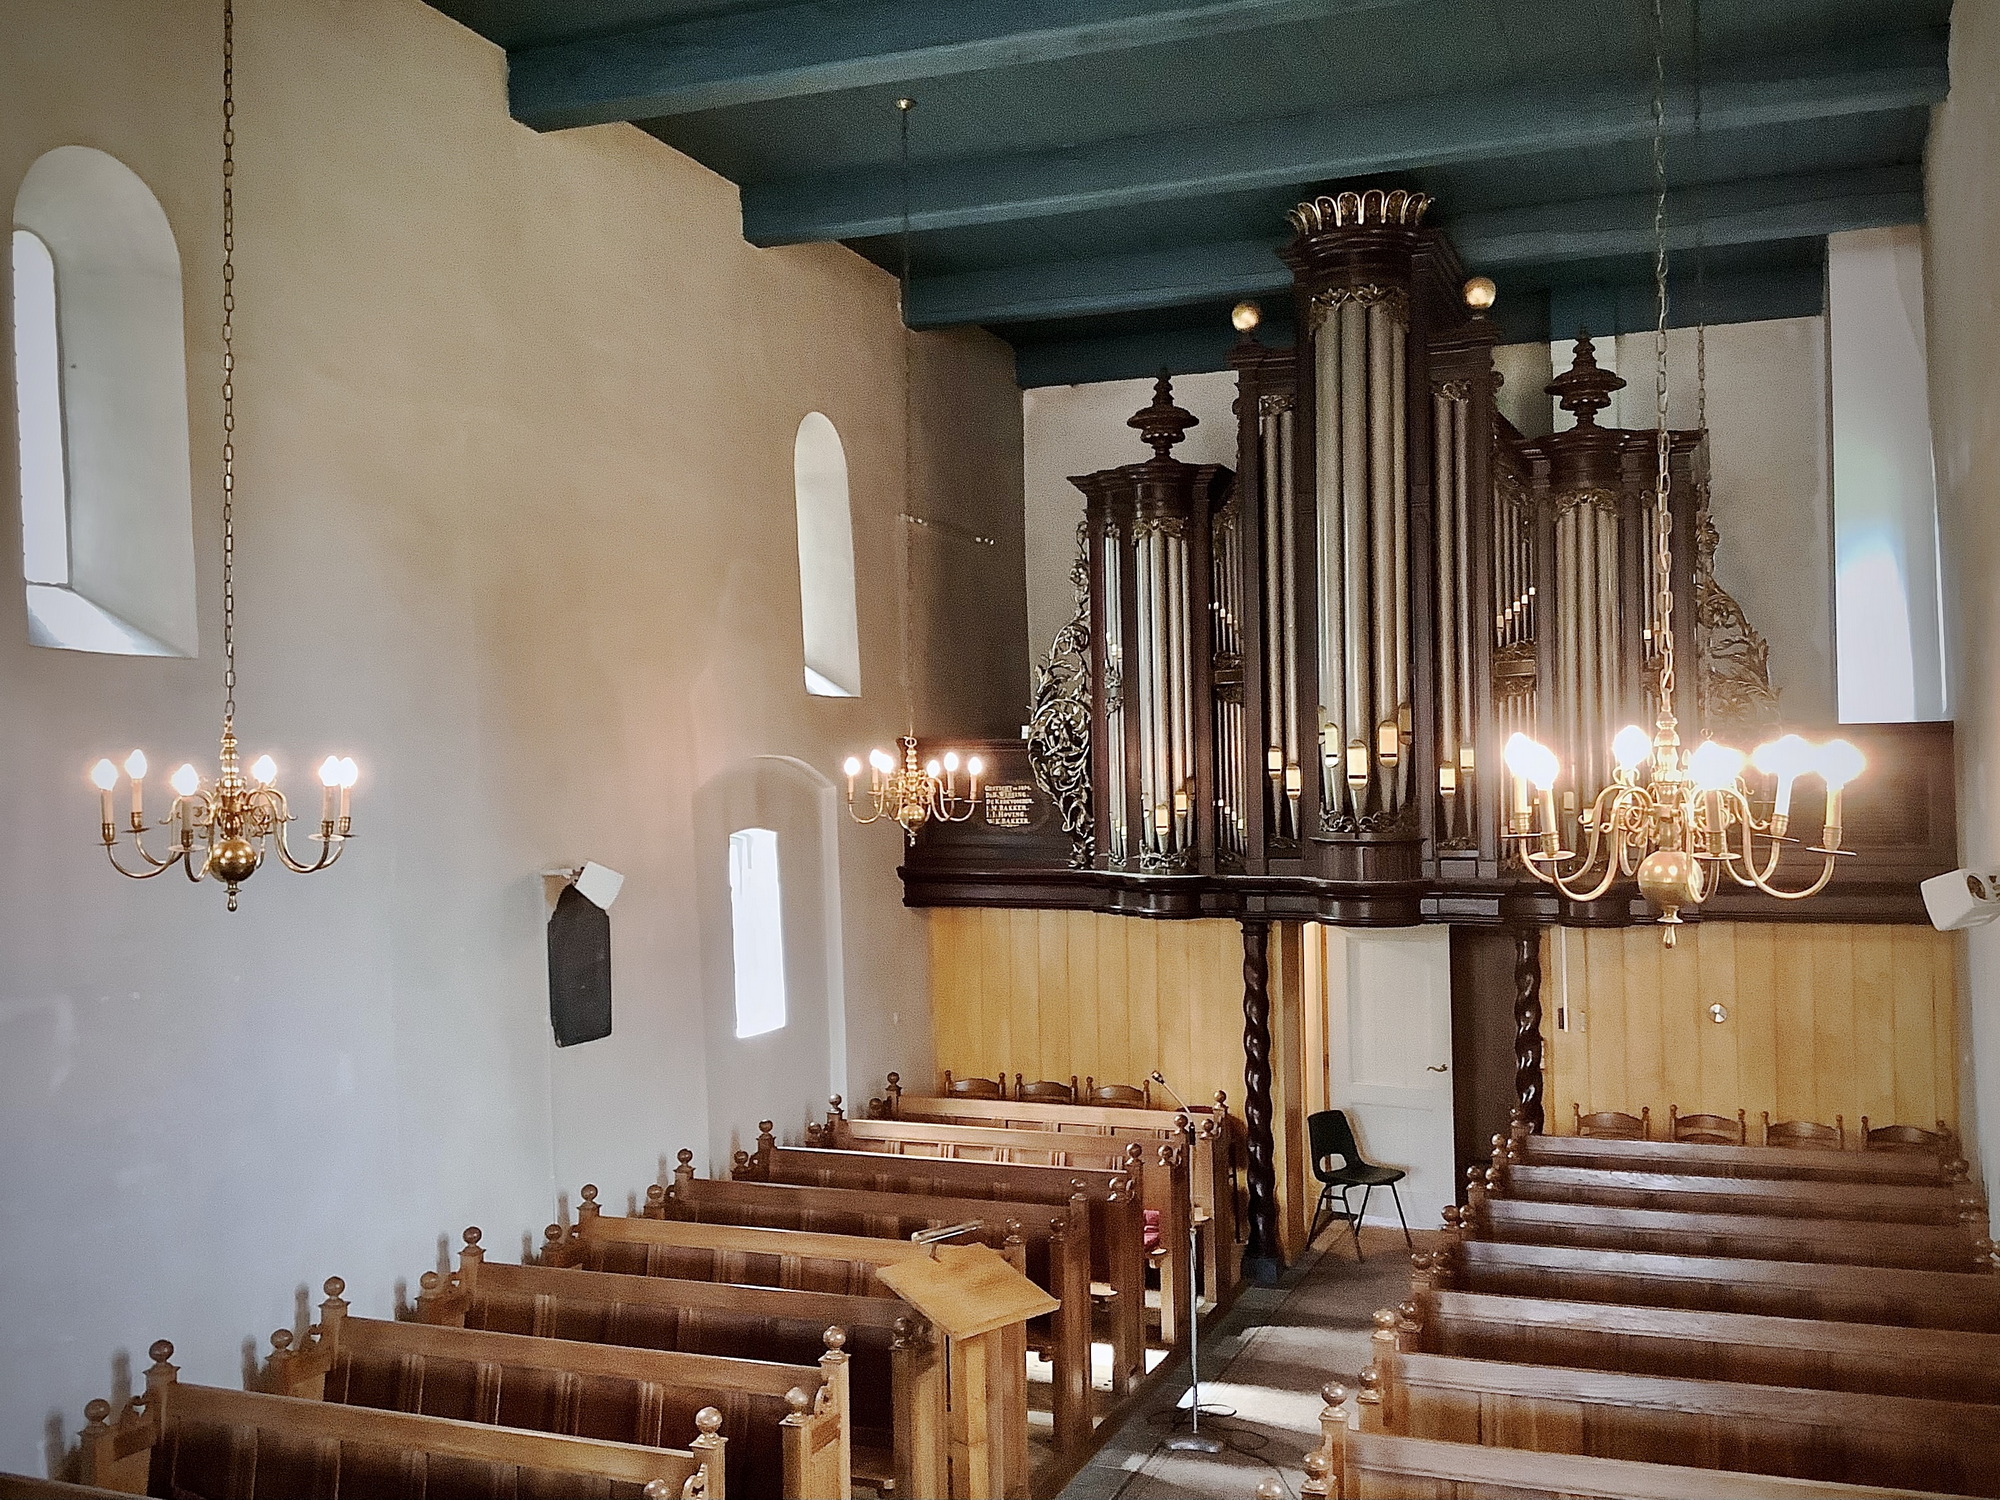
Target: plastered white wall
[516,415]
[1962,270]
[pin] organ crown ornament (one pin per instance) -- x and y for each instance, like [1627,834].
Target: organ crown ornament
[223,828]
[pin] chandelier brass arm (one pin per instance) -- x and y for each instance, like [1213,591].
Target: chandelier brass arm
[910,793]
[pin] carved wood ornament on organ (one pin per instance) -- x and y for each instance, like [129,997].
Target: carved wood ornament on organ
[1307,667]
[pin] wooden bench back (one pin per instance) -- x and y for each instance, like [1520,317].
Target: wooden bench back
[1897,1202]
[1943,1446]
[787,1423]
[203,1440]
[1925,1247]
[896,1360]
[1794,1162]
[796,1259]
[1358,1461]
[1746,1347]
[1787,1289]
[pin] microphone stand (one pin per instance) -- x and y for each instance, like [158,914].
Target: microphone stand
[1193,1441]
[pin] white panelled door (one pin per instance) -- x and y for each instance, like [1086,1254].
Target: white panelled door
[1388,1035]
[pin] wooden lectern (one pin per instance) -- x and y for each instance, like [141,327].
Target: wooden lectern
[982,1305]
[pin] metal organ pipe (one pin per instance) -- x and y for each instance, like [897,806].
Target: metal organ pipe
[1277,543]
[1385,588]
[1449,604]
[1356,598]
[1461,505]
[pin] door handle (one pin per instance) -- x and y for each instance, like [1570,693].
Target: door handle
[1437,1068]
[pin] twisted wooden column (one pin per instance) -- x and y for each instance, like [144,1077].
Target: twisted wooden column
[1262,1260]
[1528,1025]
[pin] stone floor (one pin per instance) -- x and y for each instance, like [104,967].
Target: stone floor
[1266,1363]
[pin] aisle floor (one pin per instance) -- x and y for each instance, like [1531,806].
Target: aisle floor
[1266,1363]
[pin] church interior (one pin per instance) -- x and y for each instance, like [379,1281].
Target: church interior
[1228,747]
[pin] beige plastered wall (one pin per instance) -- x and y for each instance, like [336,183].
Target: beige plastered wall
[1963,262]
[516,530]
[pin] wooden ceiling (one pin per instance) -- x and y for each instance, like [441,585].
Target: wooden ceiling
[1097,181]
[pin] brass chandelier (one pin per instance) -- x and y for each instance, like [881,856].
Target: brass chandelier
[901,787]
[1677,822]
[223,828]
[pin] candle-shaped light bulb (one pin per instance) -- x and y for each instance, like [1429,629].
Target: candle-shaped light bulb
[329,771]
[852,766]
[187,781]
[932,769]
[349,772]
[1632,748]
[263,770]
[1839,763]
[881,761]
[1788,757]
[104,776]
[951,760]
[135,767]
[975,767]
[1714,766]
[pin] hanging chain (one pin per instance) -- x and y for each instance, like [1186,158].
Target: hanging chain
[1700,246]
[228,361]
[903,108]
[1662,517]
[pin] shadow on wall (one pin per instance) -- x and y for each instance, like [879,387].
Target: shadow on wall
[767,888]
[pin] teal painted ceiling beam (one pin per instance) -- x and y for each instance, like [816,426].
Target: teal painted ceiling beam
[1737,213]
[715,61]
[1899,72]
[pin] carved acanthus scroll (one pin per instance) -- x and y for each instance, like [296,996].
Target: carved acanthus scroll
[1059,719]
[1733,687]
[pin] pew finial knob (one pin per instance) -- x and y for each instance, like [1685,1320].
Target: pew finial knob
[709,1421]
[1386,1318]
[765,1127]
[590,1193]
[96,1412]
[1316,1468]
[895,1080]
[281,1340]
[835,1338]
[472,1237]
[335,1288]
[1271,1488]
[161,1352]
[684,1157]
[429,1281]
[797,1400]
[1334,1394]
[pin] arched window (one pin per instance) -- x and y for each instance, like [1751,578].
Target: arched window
[826,561]
[100,399]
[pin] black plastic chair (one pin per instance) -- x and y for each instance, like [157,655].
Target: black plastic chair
[1329,1134]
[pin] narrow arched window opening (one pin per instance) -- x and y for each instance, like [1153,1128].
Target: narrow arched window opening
[100,401]
[826,561]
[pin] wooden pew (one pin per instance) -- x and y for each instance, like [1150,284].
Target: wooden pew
[1791,1162]
[28,1487]
[1887,1202]
[1162,1173]
[1922,1247]
[1944,1446]
[989,1414]
[1358,1461]
[1117,1224]
[796,1259]
[1744,1347]
[788,1424]
[1055,1244]
[1788,1289]
[202,1440]
[896,1386]
[1215,1150]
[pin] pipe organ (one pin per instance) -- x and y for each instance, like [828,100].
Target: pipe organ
[1287,686]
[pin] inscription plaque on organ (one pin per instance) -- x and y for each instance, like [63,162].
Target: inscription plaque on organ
[1010,806]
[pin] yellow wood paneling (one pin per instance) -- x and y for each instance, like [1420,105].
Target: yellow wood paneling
[1822,1020]
[1051,994]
